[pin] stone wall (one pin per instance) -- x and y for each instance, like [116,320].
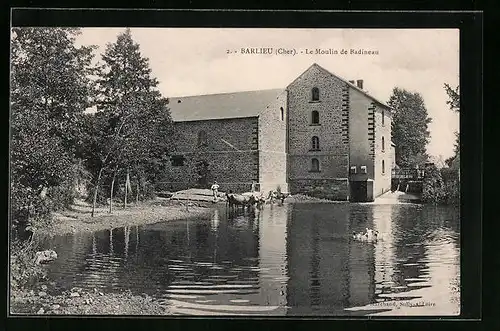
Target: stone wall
[332,189]
[272,145]
[382,179]
[360,135]
[232,158]
[331,130]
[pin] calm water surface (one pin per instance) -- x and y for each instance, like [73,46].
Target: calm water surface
[295,259]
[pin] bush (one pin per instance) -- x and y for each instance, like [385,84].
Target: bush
[23,270]
[441,186]
[29,211]
[62,196]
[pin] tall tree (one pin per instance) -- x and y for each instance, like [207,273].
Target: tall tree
[50,89]
[454,97]
[454,103]
[409,127]
[137,114]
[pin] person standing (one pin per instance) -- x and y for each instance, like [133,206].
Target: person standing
[215,191]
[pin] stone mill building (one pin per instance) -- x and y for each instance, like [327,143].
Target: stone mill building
[320,135]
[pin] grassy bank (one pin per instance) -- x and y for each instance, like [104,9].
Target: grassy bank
[77,218]
[81,302]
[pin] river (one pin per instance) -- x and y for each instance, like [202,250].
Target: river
[293,260]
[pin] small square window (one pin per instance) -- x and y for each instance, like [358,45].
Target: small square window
[363,169]
[353,169]
[177,160]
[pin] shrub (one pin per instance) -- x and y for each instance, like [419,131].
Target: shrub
[441,186]
[23,270]
[61,196]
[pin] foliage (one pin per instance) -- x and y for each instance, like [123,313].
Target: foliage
[453,97]
[441,186]
[50,88]
[432,190]
[454,103]
[409,127]
[453,161]
[132,128]
[61,196]
[23,270]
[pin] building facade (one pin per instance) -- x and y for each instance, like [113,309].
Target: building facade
[321,135]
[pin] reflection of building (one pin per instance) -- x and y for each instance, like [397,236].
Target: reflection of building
[320,133]
[272,257]
[384,249]
[326,272]
[360,271]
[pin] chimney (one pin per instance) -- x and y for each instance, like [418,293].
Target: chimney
[352,82]
[360,83]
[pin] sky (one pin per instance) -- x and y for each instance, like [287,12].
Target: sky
[196,61]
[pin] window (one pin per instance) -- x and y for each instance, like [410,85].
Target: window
[315,117]
[177,160]
[315,165]
[315,143]
[363,169]
[383,116]
[383,144]
[315,94]
[202,138]
[282,113]
[353,169]
[383,166]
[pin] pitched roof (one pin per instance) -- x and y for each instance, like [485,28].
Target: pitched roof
[347,82]
[235,104]
[221,106]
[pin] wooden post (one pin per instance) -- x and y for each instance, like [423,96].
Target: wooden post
[137,192]
[126,190]
[111,192]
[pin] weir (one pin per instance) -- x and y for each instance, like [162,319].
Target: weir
[410,179]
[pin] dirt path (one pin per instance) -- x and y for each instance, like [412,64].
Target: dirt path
[78,217]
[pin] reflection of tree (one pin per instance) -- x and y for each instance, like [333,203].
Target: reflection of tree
[410,251]
[403,255]
[360,265]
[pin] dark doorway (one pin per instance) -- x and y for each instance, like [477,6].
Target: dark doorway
[203,172]
[358,191]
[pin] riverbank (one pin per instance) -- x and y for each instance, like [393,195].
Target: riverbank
[80,302]
[78,218]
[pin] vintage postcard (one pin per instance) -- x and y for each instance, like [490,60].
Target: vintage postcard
[234,172]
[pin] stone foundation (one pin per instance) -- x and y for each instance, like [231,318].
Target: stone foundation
[332,189]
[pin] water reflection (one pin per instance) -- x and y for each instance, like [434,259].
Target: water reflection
[278,260]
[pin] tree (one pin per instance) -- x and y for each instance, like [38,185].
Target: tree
[454,103]
[432,185]
[454,97]
[135,113]
[409,127]
[50,89]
